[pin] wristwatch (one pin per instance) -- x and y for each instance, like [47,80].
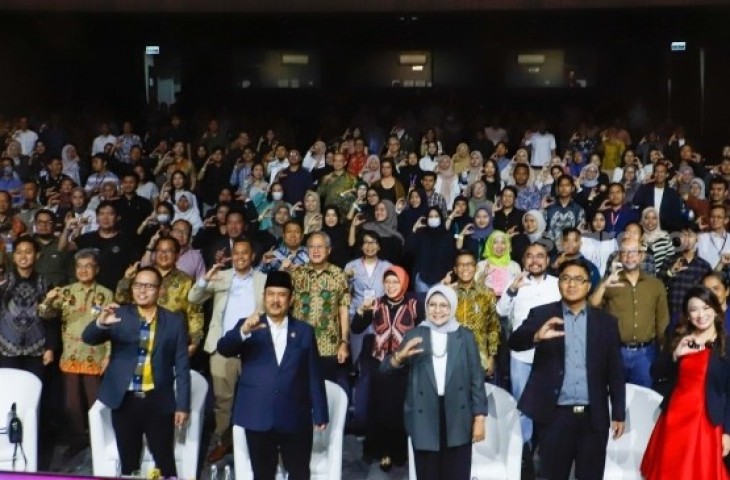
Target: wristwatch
[345,341]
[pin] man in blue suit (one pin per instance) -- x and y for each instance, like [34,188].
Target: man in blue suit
[280,396]
[576,370]
[149,352]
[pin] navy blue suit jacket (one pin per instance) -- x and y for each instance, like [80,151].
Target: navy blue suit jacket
[285,398]
[670,211]
[603,362]
[717,383]
[169,358]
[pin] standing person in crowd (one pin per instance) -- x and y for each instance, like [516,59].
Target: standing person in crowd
[391,314]
[116,250]
[534,226]
[563,212]
[52,263]
[175,287]
[429,236]
[473,237]
[281,394]
[148,394]
[295,179]
[476,309]
[131,208]
[542,143]
[388,186]
[385,225]
[100,174]
[714,244]
[715,281]
[507,217]
[290,254]
[82,365]
[322,299]
[683,270]
[658,242]
[447,181]
[577,369]
[237,293]
[617,212]
[442,422]
[569,249]
[531,288]
[333,227]
[190,261]
[639,302]
[664,198]
[691,437]
[497,270]
[335,183]
[433,198]
[25,342]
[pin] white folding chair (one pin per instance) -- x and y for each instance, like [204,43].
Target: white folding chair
[24,390]
[104,453]
[326,463]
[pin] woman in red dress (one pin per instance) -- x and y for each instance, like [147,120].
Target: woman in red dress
[692,436]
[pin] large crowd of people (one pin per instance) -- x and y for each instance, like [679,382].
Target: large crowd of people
[558,269]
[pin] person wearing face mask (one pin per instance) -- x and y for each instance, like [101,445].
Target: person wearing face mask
[430,236]
[157,224]
[442,422]
[692,435]
[10,182]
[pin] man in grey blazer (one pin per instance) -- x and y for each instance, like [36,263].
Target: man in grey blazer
[237,293]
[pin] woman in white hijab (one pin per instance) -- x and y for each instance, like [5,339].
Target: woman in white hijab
[185,209]
[70,160]
[442,422]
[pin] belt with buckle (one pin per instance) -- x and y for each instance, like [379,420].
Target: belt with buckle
[637,345]
[137,394]
[577,409]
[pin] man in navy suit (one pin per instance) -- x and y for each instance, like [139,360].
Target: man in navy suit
[577,368]
[149,352]
[281,394]
[664,198]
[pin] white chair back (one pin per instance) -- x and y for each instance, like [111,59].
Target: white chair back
[24,389]
[326,462]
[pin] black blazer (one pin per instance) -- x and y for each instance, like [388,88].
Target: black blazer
[670,211]
[604,364]
[664,372]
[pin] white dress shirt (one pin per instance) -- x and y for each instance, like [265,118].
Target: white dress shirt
[278,337]
[710,246]
[241,301]
[438,345]
[533,294]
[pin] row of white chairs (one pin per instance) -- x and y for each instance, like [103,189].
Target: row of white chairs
[498,456]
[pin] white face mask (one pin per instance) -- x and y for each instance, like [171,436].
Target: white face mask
[277,195]
[434,222]
[163,217]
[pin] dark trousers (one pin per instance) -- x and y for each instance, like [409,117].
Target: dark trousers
[140,416]
[571,437]
[295,449]
[81,392]
[449,463]
[30,364]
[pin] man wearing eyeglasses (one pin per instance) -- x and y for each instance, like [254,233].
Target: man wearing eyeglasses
[639,302]
[147,381]
[577,369]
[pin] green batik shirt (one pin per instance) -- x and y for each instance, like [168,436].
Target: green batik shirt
[477,311]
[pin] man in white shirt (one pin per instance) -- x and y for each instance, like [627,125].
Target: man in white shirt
[237,293]
[532,288]
[278,163]
[712,245]
[543,145]
[25,136]
[104,137]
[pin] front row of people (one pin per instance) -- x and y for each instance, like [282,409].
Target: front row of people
[431,372]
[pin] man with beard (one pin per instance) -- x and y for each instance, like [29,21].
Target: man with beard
[53,263]
[639,302]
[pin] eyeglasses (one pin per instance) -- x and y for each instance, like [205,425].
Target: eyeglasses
[144,286]
[567,279]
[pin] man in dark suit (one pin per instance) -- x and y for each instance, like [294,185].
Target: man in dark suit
[670,203]
[281,395]
[577,368]
[149,346]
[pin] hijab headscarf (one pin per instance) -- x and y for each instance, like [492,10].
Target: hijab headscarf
[541,225]
[448,177]
[402,276]
[475,173]
[494,259]
[410,215]
[371,171]
[461,158]
[191,215]
[451,324]
[318,210]
[482,233]
[701,184]
[586,182]
[70,165]
[277,229]
[387,227]
[650,236]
